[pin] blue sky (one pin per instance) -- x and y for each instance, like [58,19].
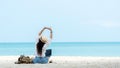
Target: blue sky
[71,20]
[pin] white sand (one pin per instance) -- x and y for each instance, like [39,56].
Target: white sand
[65,62]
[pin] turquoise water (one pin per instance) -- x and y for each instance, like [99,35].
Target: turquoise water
[64,49]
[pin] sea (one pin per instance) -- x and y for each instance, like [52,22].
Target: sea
[64,49]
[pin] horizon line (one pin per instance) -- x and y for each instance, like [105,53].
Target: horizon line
[63,42]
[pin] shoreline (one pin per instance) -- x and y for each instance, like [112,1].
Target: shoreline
[65,61]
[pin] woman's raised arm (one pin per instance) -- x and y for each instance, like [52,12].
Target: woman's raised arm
[41,31]
[51,32]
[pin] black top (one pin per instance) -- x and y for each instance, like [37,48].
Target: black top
[40,45]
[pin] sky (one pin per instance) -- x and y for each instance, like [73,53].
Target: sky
[71,20]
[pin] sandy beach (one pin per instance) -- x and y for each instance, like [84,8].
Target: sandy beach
[65,62]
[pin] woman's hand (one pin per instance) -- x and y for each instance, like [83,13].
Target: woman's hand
[48,28]
[45,28]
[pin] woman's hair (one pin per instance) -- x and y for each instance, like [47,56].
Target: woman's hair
[40,45]
[43,39]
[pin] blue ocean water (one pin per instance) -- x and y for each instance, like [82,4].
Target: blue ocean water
[64,49]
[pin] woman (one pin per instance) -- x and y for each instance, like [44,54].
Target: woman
[41,46]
